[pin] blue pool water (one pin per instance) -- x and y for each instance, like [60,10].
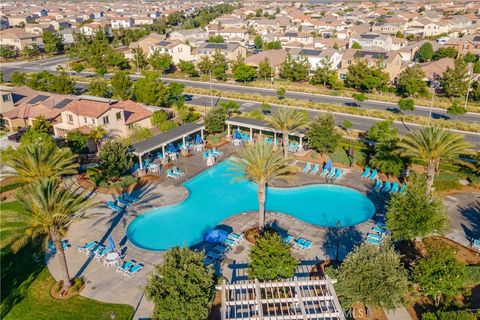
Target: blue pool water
[217,194]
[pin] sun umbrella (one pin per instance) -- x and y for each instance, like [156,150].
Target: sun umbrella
[111,244]
[237,135]
[171,148]
[328,165]
[216,235]
[198,139]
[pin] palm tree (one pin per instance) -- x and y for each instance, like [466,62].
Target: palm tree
[286,120]
[431,145]
[42,160]
[49,210]
[261,164]
[97,134]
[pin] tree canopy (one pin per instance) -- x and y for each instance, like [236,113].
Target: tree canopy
[271,258]
[115,159]
[182,287]
[425,52]
[411,81]
[322,134]
[362,77]
[455,81]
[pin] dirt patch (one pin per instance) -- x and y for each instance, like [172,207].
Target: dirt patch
[464,254]
[87,184]
[58,293]
[252,234]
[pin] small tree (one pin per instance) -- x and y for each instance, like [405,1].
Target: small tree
[219,66]
[281,93]
[77,142]
[322,134]
[188,68]
[216,39]
[258,42]
[182,287]
[373,276]
[205,64]
[425,52]
[385,159]
[406,104]
[382,130]
[160,62]
[121,85]
[19,78]
[265,70]
[271,258]
[161,120]
[360,97]
[455,81]
[78,67]
[440,274]
[470,58]
[356,45]
[98,88]
[415,214]
[410,82]
[215,119]
[347,124]
[115,159]
[456,109]
[244,73]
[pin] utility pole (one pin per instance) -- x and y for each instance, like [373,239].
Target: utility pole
[470,80]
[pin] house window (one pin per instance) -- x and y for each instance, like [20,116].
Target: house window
[118,115]
[105,120]
[349,61]
[85,120]
[69,118]
[6,97]
[93,121]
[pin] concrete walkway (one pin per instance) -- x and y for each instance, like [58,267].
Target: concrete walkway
[463,211]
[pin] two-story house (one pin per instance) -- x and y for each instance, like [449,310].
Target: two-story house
[19,39]
[316,58]
[231,51]
[176,49]
[122,22]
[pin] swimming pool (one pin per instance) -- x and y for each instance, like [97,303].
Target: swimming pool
[216,194]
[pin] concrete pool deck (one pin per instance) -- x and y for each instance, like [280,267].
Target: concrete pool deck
[105,284]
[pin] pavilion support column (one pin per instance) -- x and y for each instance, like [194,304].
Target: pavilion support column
[301,142]
[223,308]
[140,161]
[258,296]
[201,133]
[251,135]
[228,132]
[164,159]
[184,147]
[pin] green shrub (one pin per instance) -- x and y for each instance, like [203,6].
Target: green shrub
[450,315]
[340,155]
[123,182]
[473,275]
[446,181]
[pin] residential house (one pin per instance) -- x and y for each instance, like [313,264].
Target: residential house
[292,36]
[434,70]
[373,40]
[68,35]
[234,35]
[91,28]
[19,39]
[231,51]
[274,57]
[190,35]
[143,20]
[316,58]
[144,44]
[468,43]
[4,24]
[17,20]
[38,28]
[389,27]
[176,49]
[116,117]
[390,62]
[409,53]
[426,27]
[122,22]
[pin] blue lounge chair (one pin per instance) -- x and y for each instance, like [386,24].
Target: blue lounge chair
[86,247]
[315,169]
[214,255]
[123,201]
[338,174]
[331,173]
[126,266]
[112,205]
[307,168]
[403,188]
[302,244]
[205,155]
[324,173]
[133,270]
[378,185]
[209,260]
[177,171]
[99,254]
[373,175]
[230,243]
[476,244]
[129,197]
[379,230]
[53,249]
[235,236]
[220,153]
[394,188]
[172,175]
[220,248]
[374,236]
[387,186]
[373,241]
[287,238]
[366,172]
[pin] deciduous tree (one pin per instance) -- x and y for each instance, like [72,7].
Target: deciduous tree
[411,81]
[264,69]
[121,85]
[425,52]
[322,134]
[455,81]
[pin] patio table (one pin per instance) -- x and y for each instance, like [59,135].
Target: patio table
[112,258]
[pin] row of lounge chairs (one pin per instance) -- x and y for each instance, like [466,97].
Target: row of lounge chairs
[389,187]
[371,175]
[129,268]
[218,252]
[52,249]
[98,251]
[301,244]
[175,173]
[331,173]
[214,152]
[377,234]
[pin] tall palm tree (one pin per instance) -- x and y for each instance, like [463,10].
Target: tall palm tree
[49,210]
[97,134]
[42,160]
[286,120]
[261,164]
[432,145]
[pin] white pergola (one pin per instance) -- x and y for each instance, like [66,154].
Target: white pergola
[290,299]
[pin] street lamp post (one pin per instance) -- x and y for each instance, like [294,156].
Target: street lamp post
[434,88]
[469,83]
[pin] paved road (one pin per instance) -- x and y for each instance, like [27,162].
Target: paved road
[50,64]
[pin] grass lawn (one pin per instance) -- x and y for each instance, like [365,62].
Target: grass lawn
[25,289]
